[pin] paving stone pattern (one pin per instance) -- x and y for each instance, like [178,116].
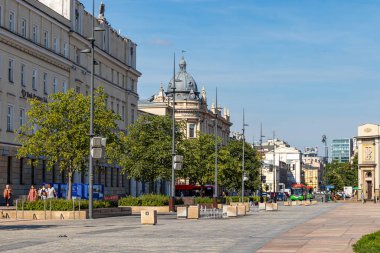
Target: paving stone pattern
[256,231]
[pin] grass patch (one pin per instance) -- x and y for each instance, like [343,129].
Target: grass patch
[368,243]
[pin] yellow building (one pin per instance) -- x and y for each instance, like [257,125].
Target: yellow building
[40,44]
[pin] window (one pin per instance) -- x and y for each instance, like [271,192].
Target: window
[122,112]
[9,170]
[191,130]
[35,34]
[55,44]
[117,109]
[23,27]
[21,170]
[65,50]
[46,39]
[55,85]
[22,79]
[112,106]
[11,21]
[22,116]
[77,89]
[10,118]
[132,115]
[34,79]
[45,81]
[132,85]
[64,87]
[10,71]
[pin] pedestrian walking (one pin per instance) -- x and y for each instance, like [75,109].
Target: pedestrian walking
[50,192]
[362,195]
[7,194]
[42,192]
[32,195]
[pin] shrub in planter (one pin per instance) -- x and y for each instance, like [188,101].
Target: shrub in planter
[203,200]
[154,200]
[129,201]
[64,205]
[179,201]
[236,199]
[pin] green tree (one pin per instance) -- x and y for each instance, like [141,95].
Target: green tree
[343,174]
[58,131]
[148,148]
[231,170]
[199,159]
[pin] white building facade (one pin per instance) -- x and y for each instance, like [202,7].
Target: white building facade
[368,143]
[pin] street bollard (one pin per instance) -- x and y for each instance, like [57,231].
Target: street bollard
[45,208]
[16,207]
[22,208]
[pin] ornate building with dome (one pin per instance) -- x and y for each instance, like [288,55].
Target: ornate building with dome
[190,106]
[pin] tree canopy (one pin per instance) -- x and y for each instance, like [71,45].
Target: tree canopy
[58,131]
[148,149]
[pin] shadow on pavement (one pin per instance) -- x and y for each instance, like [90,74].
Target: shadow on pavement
[25,227]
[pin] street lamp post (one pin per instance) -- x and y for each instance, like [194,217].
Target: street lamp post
[261,163]
[324,140]
[215,201]
[274,169]
[243,160]
[90,161]
[172,195]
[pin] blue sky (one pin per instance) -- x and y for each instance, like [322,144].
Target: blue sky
[302,68]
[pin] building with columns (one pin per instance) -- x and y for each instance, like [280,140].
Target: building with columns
[368,146]
[40,54]
[190,106]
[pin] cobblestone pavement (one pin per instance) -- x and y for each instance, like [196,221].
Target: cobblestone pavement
[334,231]
[244,234]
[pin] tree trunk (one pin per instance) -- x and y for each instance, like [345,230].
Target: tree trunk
[70,183]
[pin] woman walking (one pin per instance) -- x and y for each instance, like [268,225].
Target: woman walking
[33,195]
[7,194]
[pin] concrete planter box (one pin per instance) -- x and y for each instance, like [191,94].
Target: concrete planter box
[314,202]
[159,209]
[232,211]
[287,203]
[64,215]
[241,210]
[193,212]
[246,204]
[149,217]
[262,206]
[182,212]
[271,207]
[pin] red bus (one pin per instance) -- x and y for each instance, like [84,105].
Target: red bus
[186,190]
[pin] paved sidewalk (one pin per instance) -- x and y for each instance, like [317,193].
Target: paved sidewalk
[333,231]
[125,234]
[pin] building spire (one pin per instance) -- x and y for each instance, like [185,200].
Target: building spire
[204,94]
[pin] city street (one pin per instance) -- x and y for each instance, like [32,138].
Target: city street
[318,228]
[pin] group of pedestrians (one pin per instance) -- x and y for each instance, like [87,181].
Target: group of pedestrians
[45,192]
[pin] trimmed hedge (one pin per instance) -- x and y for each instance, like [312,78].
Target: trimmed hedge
[64,205]
[147,200]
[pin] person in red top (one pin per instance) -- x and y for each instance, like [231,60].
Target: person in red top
[33,195]
[7,194]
